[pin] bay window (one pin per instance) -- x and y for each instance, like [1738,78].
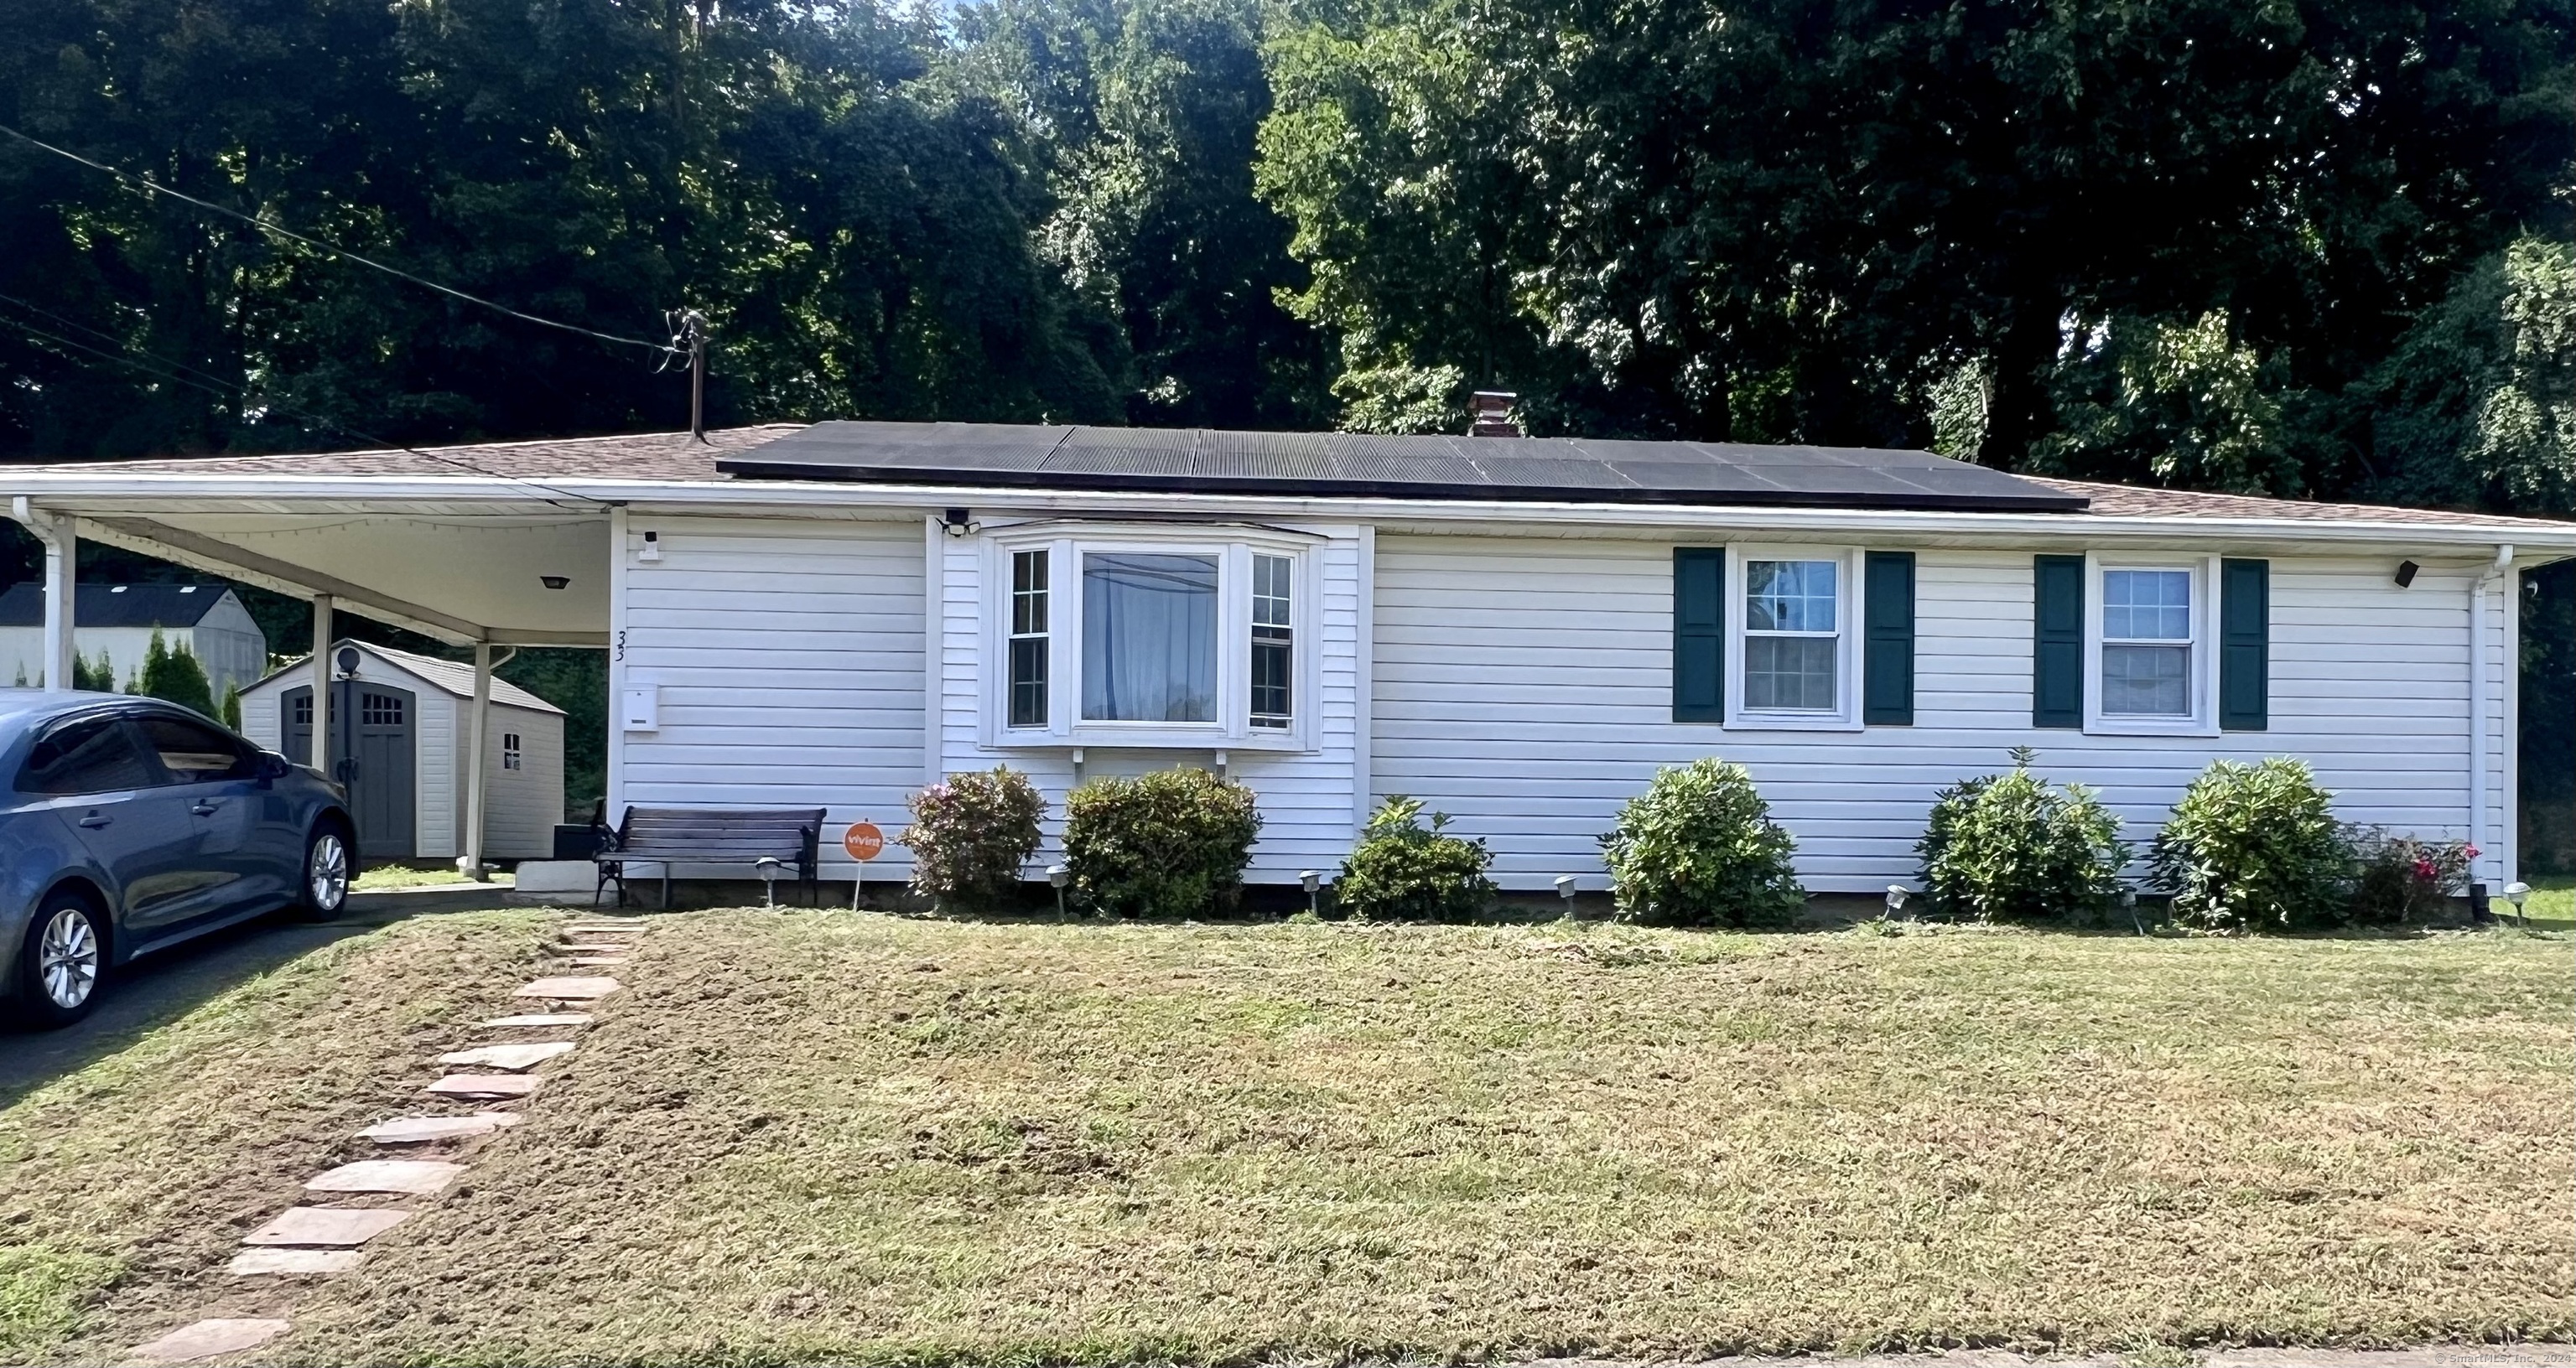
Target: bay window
[1177,636]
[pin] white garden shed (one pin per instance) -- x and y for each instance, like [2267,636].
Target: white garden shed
[404,721]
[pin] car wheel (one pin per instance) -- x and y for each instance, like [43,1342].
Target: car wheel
[326,873]
[60,966]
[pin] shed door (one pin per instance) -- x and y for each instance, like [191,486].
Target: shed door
[375,725]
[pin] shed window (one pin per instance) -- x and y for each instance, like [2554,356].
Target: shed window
[1791,636]
[2146,643]
[510,752]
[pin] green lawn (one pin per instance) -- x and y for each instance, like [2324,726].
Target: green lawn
[808,1137]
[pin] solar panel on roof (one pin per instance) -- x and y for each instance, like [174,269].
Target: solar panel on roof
[1558,469]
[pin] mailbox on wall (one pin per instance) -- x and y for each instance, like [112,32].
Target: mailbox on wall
[639,708]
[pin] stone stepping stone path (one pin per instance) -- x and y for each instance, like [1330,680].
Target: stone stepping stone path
[407,1177]
[422,1130]
[208,1339]
[542,1019]
[287,1263]
[513,1058]
[315,1240]
[326,1227]
[485,1086]
[589,989]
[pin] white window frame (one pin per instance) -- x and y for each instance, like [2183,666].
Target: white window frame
[1848,608]
[1233,547]
[2203,674]
[513,754]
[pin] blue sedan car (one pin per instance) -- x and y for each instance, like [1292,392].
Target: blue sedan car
[130,824]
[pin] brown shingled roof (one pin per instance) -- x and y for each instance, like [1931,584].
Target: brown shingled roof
[634,456]
[2136,501]
[677,456]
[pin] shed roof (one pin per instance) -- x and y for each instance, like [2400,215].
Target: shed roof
[452,677]
[116,605]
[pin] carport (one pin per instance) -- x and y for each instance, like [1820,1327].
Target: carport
[454,543]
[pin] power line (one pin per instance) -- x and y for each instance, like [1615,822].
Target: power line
[169,372]
[267,227]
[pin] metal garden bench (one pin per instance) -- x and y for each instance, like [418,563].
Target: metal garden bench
[774,837]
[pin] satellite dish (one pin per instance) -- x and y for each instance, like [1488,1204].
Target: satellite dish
[348,660]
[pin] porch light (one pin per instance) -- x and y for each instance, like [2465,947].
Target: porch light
[961,522]
[554,581]
[1565,891]
[2515,893]
[1312,880]
[1057,877]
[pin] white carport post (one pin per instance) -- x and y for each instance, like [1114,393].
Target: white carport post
[62,568]
[478,735]
[321,668]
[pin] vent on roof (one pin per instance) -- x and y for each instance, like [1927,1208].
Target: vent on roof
[1491,411]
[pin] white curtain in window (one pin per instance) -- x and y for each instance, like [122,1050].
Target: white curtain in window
[1148,638]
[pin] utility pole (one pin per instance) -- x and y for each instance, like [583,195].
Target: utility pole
[693,333]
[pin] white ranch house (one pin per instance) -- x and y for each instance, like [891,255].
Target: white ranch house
[1516,631]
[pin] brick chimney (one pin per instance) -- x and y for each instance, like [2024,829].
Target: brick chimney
[1491,414]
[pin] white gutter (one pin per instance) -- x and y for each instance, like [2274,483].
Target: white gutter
[824,498]
[2478,704]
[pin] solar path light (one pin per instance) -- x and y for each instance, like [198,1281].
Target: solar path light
[1313,882]
[1057,877]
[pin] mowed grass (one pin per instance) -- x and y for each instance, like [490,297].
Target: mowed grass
[813,1136]
[126,1184]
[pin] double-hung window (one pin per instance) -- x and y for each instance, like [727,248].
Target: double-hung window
[1166,636]
[1792,636]
[2147,643]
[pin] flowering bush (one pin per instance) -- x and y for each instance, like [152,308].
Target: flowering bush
[971,835]
[1699,848]
[2402,879]
[2013,847]
[1400,869]
[1168,844]
[2254,848]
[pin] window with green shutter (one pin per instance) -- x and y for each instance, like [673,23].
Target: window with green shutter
[2057,647]
[2244,645]
[1887,641]
[1699,634]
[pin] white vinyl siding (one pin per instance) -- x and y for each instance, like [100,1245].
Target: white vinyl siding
[788,659]
[1523,684]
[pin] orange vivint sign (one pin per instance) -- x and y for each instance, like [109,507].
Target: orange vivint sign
[864,841]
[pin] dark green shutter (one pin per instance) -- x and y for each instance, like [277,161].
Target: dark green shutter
[1699,634]
[2057,660]
[1887,641]
[2244,645]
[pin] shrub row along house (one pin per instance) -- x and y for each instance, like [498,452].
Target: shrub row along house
[1516,631]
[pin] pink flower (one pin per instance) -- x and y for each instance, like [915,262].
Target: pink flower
[2471,852]
[2424,869]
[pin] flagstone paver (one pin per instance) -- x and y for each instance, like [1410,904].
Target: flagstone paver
[596,961]
[514,1058]
[591,947]
[209,1339]
[420,1130]
[582,989]
[257,1263]
[597,928]
[326,1227]
[410,1177]
[542,1019]
[486,1085]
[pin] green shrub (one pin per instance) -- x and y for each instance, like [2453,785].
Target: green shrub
[176,677]
[2398,879]
[99,678]
[1699,848]
[231,715]
[1403,871]
[971,836]
[2254,848]
[2014,848]
[1168,844]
